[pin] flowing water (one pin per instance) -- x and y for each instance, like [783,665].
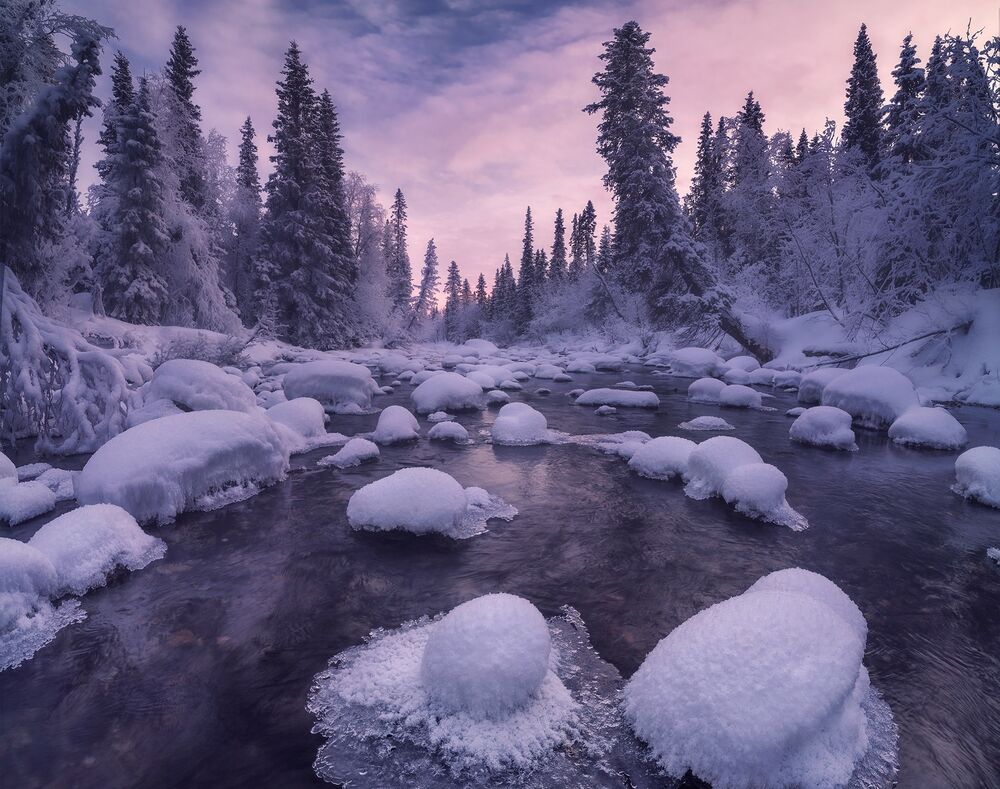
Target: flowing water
[195,671]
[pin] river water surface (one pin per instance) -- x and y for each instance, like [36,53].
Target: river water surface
[195,671]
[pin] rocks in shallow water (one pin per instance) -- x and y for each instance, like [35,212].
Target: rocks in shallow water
[824,426]
[929,428]
[706,423]
[977,475]
[395,425]
[662,458]
[353,453]
[518,424]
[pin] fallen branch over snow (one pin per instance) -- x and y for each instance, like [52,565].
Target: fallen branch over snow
[937,332]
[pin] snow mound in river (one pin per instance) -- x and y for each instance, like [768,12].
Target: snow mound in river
[353,453]
[874,396]
[739,396]
[197,460]
[194,385]
[8,471]
[342,387]
[447,392]
[977,474]
[757,490]
[711,461]
[706,423]
[662,458]
[812,384]
[824,426]
[933,428]
[22,501]
[694,363]
[303,423]
[622,398]
[449,431]
[423,501]
[705,390]
[395,425]
[87,544]
[766,689]
[518,424]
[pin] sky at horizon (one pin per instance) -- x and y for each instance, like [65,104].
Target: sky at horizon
[474,109]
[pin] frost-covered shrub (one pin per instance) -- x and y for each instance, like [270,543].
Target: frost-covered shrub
[824,426]
[934,428]
[977,475]
[220,350]
[662,458]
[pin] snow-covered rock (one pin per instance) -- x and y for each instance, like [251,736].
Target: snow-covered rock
[977,475]
[736,376]
[302,422]
[447,392]
[812,384]
[705,390]
[934,428]
[757,490]
[439,416]
[706,423]
[487,657]
[477,347]
[824,426]
[194,385]
[739,396]
[342,387]
[484,380]
[787,379]
[519,424]
[712,461]
[197,460]
[449,431]
[605,410]
[496,397]
[152,409]
[353,453]
[395,424]
[762,376]
[764,689]
[798,411]
[874,396]
[60,482]
[745,363]
[580,366]
[547,371]
[22,501]
[621,398]
[8,471]
[662,458]
[89,543]
[694,363]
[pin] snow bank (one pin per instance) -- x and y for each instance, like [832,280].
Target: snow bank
[422,501]
[705,390]
[395,424]
[874,396]
[303,422]
[662,458]
[711,462]
[739,396]
[620,398]
[824,426]
[198,460]
[765,689]
[812,384]
[934,428]
[342,387]
[353,453]
[519,424]
[757,490]
[447,392]
[449,431]
[89,543]
[706,423]
[194,385]
[694,363]
[22,501]
[977,475]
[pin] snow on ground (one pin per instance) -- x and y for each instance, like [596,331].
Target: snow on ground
[22,501]
[449,431]
[447,392]
[302,423]
[197,460]
[662,458]
[621,398]
[353,453]
[706,423]
[518,424]
[89,543]
[824,426]
[977,475]
[766,689]
[491,693]
[929,427]
[342,387]
[395,425]
[422,501]
[874,396]
[194,385]
[705,390]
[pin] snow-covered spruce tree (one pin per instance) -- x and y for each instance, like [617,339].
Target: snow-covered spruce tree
[372,305]
[702,202]
[425,303]
[180,71]
[122,93]
[397,258]
[526,277]
[480,295]
[540,267]
[133,280]
[576,259]
[453,303]
[586,231]
[244,216]
[654,252]
[903,113]
[557,262]
[864,105]
[34,158]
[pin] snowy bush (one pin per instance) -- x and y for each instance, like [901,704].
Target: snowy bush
[977,475]
[711,462]
[934,428]
[447,392]
[87,544]
[519,424]
[662,458]
[199,460]
[218,349]
[195,385]
[342,387]
[395,424]
[874,396]
[824,426]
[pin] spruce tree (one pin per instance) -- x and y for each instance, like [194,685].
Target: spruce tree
[122,93]
[452,302]
[586,234]
[480,296]
[467,298]
[180,71]
[903,114]
[575,267]
[863,109]
[397,259]
[428,285]
[604,252]
[635,140]
[557,263]
[705,183]
[526,277]
[245,218]
[802,147]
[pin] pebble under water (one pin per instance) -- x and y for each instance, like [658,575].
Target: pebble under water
[196,671]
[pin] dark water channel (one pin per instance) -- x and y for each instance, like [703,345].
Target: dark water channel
[195,671]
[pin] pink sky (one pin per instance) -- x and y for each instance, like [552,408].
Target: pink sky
[501,127]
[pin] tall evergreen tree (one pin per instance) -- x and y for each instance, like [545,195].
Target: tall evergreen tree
[586,230]
[180,71]
[863,109]
[481,298]
[467,298]
[425,303]
[122,93]
[802,147]
[557,263]
[452,302]
[603,262]
[397,259]
[903,114]
[576,253]
[705,186]
[526,279]
[244,215]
